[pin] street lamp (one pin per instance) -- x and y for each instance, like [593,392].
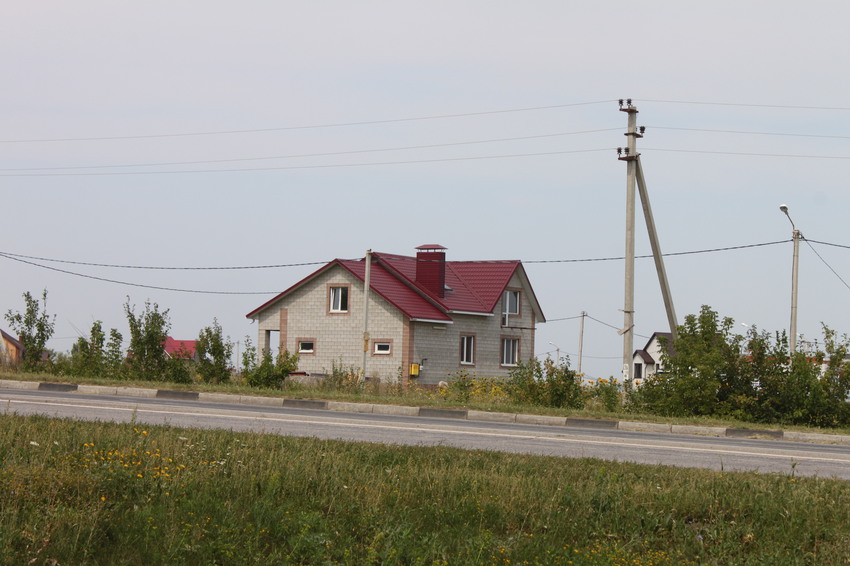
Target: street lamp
[795,267]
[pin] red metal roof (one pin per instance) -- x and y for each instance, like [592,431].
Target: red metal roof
[179,348]
[472,286]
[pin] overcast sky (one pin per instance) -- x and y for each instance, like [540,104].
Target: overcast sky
[204,134]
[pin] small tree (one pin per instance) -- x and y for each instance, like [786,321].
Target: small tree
[549,383]
[270,372]
[34,328]
[213,354]
[147,359]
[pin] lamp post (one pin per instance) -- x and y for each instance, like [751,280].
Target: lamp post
[795,267]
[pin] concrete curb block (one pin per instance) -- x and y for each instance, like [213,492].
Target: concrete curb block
[397,410]
[305,404]
[20,385]
[591,423]
[348,407]
[643,427]
[59,387]
[817,437]
[491,417]
[219,398]
[97,390]
[136,392]
[541,420]
[262,401]
[442,413]
[698,430]
[751,433]
[177,395]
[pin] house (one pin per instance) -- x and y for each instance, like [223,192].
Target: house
[649,361]
[11,350]
[182,349]
[428,318]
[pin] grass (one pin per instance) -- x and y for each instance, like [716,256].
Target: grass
[102,493]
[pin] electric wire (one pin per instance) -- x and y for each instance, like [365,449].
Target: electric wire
[745,153]
[303,155]
[313,126]
[156,287]
[713,131]
[744,105]
[827,264]
[12,255]
[292,167]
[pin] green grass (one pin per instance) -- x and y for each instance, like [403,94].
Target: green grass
[101,493]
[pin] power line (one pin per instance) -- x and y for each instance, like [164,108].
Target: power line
[826,264]
[292,167]
[310,127]
[746,154]
[745,105]
[748,132]
[198,291]
[303,155]
[11,255]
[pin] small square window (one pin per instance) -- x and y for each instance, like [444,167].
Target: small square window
[383,348]
[306,347]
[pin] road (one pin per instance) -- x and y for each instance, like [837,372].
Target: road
[729,454]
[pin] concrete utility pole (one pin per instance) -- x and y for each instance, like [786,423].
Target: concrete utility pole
[656,252]
[580,340]
[795,269]
[367,287]
[629,299]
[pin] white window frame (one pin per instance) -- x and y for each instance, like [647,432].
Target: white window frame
[507,311]
[467,349]
[337,295]
[302,350]
[378,343]
[510,352]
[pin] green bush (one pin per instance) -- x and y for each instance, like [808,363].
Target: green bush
[549,384]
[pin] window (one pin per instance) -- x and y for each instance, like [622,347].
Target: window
[338,299]
[382,348]
[510,305]
[467,350]
[306,346]
[510,351]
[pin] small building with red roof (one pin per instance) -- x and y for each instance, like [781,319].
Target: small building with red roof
[179,349]
[425,315]
[11,350]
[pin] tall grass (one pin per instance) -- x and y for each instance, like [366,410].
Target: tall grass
[98,493]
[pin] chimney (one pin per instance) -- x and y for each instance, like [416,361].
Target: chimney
[431,268]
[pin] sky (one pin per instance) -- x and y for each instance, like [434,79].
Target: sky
[222,134]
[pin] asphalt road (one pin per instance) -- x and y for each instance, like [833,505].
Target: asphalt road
[729,454]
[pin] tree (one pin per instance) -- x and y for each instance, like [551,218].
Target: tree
[213,354]
[34,328]
[703,372]
[146,359]
[95,357]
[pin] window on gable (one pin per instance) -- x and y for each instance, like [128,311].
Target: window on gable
[338,299]
[467,349]
[510,351]
[510,305]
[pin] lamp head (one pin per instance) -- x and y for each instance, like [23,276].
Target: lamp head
[783,208]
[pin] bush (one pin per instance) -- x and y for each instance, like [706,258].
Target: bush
[549,384]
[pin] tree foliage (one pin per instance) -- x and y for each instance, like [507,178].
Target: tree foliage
[214,353]
[268,371]
[95,357]
[34,328]
[146,359]
[712,371]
